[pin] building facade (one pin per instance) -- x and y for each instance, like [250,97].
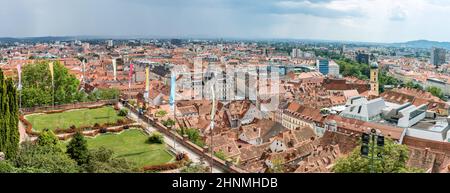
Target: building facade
[438,56]
[374,84]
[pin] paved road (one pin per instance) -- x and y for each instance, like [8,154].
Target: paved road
[196,158]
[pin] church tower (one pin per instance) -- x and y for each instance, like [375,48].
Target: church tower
[374,84]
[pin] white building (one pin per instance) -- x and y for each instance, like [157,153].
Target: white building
[435,131]
[333,69]
[405,115]
[358,107]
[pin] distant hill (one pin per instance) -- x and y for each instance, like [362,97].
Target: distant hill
[423,44]
[49,38]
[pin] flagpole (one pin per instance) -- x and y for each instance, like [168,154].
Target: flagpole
[50,65]
[53,88]
[213,110]
[19,73]
[20,98]
[173,107]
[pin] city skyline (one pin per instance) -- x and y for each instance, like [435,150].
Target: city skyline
[348,20]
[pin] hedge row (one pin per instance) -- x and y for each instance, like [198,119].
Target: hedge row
[99,131]
[66,107]
[168,166]
[72,129]
[28,126]
[96,126]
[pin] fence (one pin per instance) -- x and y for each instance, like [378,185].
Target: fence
[184,141]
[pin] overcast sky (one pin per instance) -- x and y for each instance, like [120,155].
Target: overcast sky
[355,20]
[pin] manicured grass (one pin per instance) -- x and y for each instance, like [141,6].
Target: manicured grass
[132,145]
[79,118]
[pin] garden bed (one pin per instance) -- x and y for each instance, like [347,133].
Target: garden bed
[132,145]
[72,120]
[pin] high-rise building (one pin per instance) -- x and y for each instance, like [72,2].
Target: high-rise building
[296,53]
[323,65]
[110,43]
[438,56]
[362,58]
[333,69]
[374,84]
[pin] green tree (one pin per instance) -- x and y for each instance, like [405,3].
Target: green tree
[9,117]
[385,79]
[156,137]
[394,160]
[104,94]
[38,89]
[221,155]
[33,158]
[194,136]
[161,113]
[123,112]
[168,123]
[6,167]
[48,138]
[435,91]
[413,85]
[351,68]
[77,149]
[102,160]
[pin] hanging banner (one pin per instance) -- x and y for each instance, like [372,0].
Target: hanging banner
[19,74]
[147,82]
[130,76]
[172,93]
[114,61]
[50,67]
[84,70]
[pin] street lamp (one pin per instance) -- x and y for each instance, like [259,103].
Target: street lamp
[368,147]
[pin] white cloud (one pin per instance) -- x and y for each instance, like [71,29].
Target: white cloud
[360,20]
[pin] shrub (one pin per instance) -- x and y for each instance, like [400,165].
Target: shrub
[120,122]
[156,137]
[181,156]
[194,136]
[123,112]
[161,113]
[96,126]
[168,123]
[126,127]
[195,168]
[77,149]
[103,130]
[220,154]
[47,138]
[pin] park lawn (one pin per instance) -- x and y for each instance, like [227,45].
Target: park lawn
[132,145]
[78,117]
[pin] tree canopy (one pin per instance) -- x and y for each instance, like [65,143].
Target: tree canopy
[38,89]
[77,149]
[435,91]
[34,158]
[102,160]
[9,117]
[349,67]
[394,160]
